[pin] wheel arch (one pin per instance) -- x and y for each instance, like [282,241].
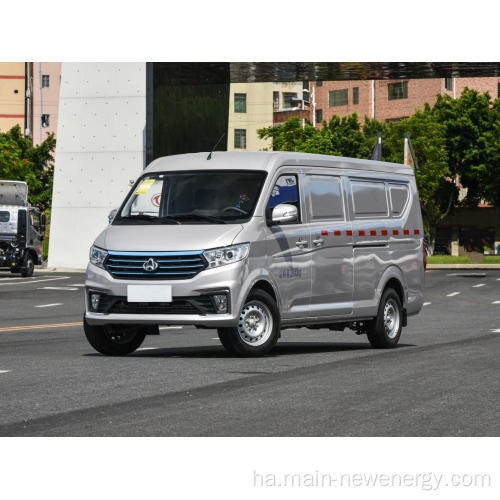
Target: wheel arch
[393,277]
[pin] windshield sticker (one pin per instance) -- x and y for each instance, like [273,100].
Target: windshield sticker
[145,186]
[155,199]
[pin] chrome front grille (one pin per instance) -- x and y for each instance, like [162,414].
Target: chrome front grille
[167,265]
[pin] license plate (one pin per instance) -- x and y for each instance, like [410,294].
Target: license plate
[149,293]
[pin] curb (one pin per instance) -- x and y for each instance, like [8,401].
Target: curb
[463,266]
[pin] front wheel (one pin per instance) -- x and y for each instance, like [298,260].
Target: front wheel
[385,330]
[258,327]
[114,340]
[28,266]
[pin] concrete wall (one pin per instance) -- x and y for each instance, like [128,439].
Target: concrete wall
[12,94]
[45,100]
[100,149]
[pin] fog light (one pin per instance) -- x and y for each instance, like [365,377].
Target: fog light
[94,301]
[220,302]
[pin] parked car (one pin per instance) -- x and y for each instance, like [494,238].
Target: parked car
[21,229]
[251,243]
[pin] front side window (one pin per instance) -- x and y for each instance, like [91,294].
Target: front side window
[286,190]
[4,216]
[338,97]
[240,103]
[192,197]
[240,138]
[398,90]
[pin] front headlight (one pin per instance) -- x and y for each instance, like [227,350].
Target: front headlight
[98,256]
[227,255]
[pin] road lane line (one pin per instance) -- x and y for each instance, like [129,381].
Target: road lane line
[57,288]
[496,302]
[4,371]
[495,330]
[147,348]
[77,284]
[170,327]
[39,327]
[478,285]
[50,305]
[427,303]
[35,281]
[452,294]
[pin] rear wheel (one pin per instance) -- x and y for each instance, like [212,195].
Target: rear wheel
[385,330]
[114,340]
[28,265]
[258,327]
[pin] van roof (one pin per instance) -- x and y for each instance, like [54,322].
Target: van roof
[270,160]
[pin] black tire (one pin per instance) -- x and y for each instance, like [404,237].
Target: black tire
[128,338]
[28,266]
[378,335]
[232,340]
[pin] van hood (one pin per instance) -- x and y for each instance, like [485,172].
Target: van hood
[164,238]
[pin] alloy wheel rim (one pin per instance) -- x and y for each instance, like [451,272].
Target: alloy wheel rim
[255,324]
[391,318]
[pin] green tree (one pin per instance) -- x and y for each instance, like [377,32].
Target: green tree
[21,161]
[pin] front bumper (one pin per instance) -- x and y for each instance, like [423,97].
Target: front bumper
[225,279]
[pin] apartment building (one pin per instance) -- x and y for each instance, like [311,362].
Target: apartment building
[46,84]
[253,106]
[12,95]
[388,100]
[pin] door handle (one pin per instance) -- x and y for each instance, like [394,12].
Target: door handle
[318,242]
[301,243]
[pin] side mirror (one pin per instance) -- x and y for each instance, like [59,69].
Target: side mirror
[284,213]
[112,214]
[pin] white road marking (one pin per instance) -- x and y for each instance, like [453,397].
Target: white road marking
[495,330]
[170,327]
[496,302]
[215,338]
[4,371]
[35,281]
[452,294]
[427,303]
[478,285]
[147,348]
[77,284]
[57,288]
[50,305]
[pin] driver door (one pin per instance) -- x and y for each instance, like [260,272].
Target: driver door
[288,248]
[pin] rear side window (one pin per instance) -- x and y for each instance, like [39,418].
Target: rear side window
[398,194]
[369,199]
[326,197]
[4,216]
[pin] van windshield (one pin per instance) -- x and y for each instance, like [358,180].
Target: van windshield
[192,197]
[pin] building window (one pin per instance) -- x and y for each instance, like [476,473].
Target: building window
[45,81]
[355,95]
[319,115]
[276,100]
[319,83]
[240,138]
[398,90]
[240,103]
[337,97]
[498,89]
[448,83]
[289,100]
[45,120]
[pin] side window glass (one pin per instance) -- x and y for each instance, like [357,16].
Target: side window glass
[369,199]
[326,197]
[399,197]
[286,190]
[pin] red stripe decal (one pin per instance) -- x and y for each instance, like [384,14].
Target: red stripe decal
[373,233]
[407,231]
[11,116]
[395,232]
[337,233]
[417,231]
[384,232]
[361,233]
[324,233]
[12,77]
[348,233]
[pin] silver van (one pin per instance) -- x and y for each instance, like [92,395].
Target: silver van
[251,243]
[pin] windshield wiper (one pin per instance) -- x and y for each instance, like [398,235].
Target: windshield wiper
[209,218]
[152,218]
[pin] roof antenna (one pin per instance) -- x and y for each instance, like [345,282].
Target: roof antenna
[209,157]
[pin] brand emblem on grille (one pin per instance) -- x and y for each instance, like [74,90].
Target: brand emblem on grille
[150,265]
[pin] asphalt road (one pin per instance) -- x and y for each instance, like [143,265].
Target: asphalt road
[443,380]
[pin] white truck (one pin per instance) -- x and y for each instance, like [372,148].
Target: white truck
[21,229]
